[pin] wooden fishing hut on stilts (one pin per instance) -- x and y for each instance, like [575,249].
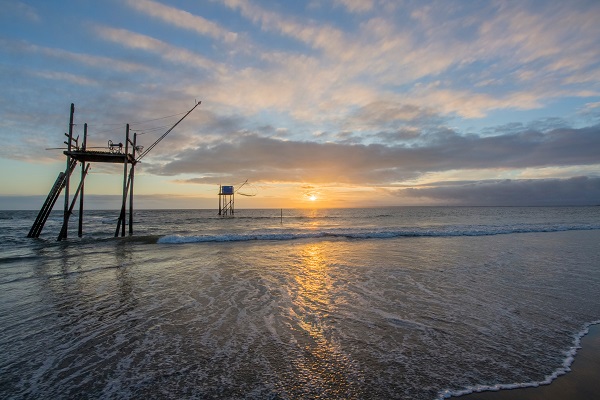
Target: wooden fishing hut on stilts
[226,201]
[80,154]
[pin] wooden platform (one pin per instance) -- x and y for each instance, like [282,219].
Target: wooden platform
[100,156]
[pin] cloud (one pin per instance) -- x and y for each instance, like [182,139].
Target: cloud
[356,6]
[318,36]
[382,114]
[268,159]
[167,52]
[20,9]
[580,190]
[469,104]
[22,47]
[590,111]
[64,76]
[345,69]
[182,19]
[447,40]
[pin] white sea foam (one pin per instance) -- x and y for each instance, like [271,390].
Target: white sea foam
[563,369]
[365,233]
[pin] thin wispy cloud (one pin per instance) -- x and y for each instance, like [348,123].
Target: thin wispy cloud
[20,9]
[76,79]
[91,60]
[182,19]
[165,51]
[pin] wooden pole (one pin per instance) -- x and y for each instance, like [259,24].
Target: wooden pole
[122,214]
[132,174]
[68,177]
[124,205]
[220,200]
[63,231]
[83,169]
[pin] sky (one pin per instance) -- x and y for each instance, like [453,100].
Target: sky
[339,103]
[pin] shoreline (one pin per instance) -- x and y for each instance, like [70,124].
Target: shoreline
[581,382]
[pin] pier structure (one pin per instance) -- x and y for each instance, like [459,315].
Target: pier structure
[116,153]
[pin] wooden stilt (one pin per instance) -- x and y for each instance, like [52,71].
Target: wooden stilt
[131,178]
[59,184]
[83,173]
[63,232]
[124,178]
[69,142]
[121,223]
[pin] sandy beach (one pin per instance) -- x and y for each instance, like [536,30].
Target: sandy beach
[582,382]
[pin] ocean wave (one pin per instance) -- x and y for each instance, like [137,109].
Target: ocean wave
[369,234]
[566,367]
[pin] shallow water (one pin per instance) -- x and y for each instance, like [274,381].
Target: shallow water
[412,303]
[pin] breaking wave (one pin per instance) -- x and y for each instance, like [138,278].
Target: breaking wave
[445,231]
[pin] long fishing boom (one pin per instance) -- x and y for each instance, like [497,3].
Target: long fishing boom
[166,133]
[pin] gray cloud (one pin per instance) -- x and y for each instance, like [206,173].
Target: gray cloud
[268,159]
[380,114]
[528,192]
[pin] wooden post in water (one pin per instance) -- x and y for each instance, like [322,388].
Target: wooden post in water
[125,179]
[220,199]
[68,177]
[83,169]
[63,232]
[121,223]
[131,176]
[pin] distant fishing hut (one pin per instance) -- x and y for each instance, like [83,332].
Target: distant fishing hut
[226,201]
[227,197]
[116,153]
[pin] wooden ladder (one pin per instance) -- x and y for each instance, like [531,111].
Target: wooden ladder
[44,213]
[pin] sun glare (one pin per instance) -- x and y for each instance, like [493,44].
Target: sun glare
[312,197]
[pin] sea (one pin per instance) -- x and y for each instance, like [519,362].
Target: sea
[375,303]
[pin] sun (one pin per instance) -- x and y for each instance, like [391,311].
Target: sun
[312,197]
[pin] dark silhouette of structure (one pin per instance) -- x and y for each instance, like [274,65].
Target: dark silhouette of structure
[76,153]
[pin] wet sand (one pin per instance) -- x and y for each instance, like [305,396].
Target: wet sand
[582,382]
